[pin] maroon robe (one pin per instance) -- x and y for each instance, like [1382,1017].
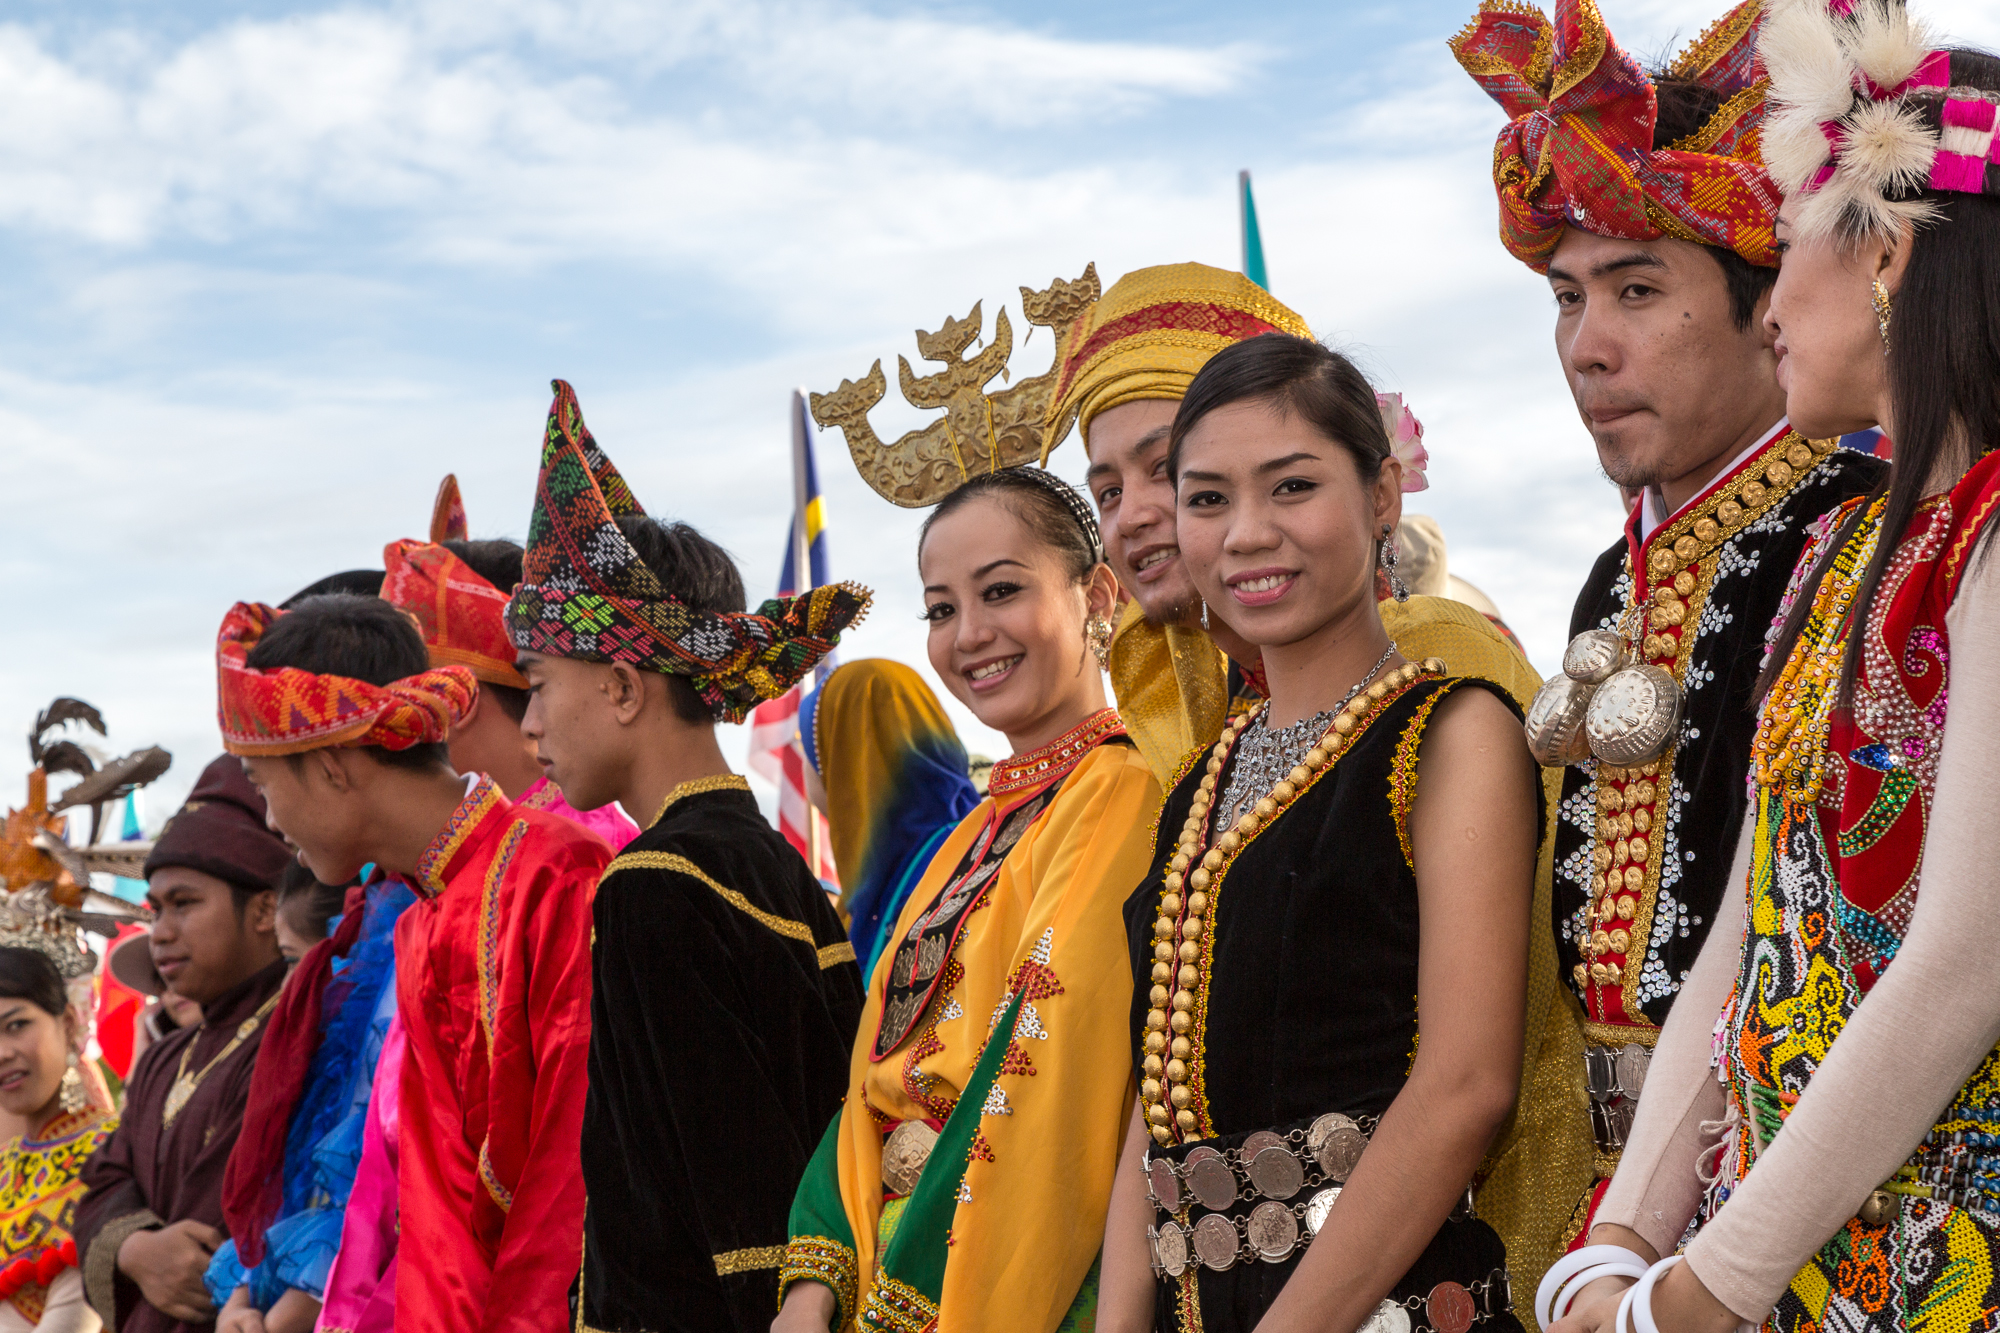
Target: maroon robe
[149,1173]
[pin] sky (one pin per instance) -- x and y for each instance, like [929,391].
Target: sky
[272,269]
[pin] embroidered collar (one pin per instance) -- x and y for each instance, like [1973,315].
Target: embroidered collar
[701,787]
[1055,761]
[1650,512]
[542,796]
[482,797]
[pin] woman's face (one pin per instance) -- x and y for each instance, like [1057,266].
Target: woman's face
[34,1055]
[1829,344]
[1007,623]
[1275,524]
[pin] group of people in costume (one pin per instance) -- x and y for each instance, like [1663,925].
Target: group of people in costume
[1308,962]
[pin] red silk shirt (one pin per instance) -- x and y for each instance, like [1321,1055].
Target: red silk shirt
[493,984]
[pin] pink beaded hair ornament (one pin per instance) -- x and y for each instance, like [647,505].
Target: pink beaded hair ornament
[1863,116]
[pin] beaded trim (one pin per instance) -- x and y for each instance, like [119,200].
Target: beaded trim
[1403,776]
[897,1307]
[1054,761]
[436,859]
[828,1262]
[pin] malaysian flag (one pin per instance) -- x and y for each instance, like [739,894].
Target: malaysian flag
[775,751]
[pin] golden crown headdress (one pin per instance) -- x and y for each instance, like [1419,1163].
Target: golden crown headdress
[979,431]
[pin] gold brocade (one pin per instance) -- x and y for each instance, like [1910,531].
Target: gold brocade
[1172,686]
[40,1186]
[1030,1220]
[1542,1160]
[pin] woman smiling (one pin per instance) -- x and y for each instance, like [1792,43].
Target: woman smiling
[1359,851]
[971,1165]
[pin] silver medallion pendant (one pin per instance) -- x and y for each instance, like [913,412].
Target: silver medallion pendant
[1603,705]
[1633,716]
[1389,1317]
[1555,723]
[1215,1241]
[1273,1230]
[1209,1176]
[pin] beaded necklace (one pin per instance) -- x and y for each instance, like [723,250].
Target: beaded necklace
[1197,866]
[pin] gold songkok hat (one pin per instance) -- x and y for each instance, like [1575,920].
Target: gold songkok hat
[1150,334]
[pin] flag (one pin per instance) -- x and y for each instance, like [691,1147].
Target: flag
[1253,244]
[776,753]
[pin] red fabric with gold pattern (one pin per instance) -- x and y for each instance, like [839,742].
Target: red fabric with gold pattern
[448,522]
[461,616]
[1578,148]
[288,711]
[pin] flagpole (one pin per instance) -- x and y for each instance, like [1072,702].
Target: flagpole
[802,574]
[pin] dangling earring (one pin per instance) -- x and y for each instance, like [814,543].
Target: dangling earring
[1098,630]
[1204,613]
[1882,310]
[70,1093]
[1386,553]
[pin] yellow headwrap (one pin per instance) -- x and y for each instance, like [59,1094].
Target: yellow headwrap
[1148,335]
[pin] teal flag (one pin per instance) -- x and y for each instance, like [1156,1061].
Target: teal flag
[1253,244]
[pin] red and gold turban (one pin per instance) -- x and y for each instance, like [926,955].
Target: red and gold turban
[1578,149]
[288,711]
[1148,335]
[462,617]
[586,594]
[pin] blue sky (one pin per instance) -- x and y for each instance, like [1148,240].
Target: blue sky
[272,269]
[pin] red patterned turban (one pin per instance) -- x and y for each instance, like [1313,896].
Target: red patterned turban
[586,594]
[1578,149]
[288,711]
[462,617]
[448,522]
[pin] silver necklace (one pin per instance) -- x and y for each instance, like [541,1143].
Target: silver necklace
[1263,754]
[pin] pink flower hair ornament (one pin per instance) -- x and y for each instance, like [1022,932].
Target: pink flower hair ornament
[1406,441]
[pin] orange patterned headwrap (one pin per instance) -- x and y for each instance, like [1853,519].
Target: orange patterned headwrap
[288,711]
[1578,149]
[1148,335]
[461,616]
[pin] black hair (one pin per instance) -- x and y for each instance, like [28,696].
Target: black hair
[364,638]
[498,561]
[359,582]
[309,904]
[695,570]
[27,974]
[1299,377]
[1684,108]
[1062,522]
[1944,342]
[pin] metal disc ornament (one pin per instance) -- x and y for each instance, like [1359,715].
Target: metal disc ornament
[1259,1141]
[1216,1243]
[1173,1249]
[1449,1308]
[1165,1185]
[1633,1062]
[1276,1173]
[1213,1183]
[1273,1230]
[1555,723]
[1318,1207]
[1593,656]
[1389,1317]
[1336,1143]
[1633,715]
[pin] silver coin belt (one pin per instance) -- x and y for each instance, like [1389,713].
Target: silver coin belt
[1278,1167]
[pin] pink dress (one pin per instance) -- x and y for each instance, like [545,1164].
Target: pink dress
[607,821]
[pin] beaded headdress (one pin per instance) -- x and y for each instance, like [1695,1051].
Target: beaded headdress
[979,431]
[585,592]
[461,615]
[1864,116]
[1150,334]
[1578,146]
[283,710]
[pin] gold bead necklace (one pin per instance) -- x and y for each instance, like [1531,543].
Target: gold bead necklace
[1198,867]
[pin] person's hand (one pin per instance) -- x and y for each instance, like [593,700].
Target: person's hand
[1594,1310]
[809,1308]
[238,1315]
[295,1312]
[1681,1304]
[167,1265]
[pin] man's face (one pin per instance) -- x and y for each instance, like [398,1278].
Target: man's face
[1135,503]
[202,943]
[573,719]
[1662,376]
[312,802]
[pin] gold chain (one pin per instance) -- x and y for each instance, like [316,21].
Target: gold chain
[183,1088]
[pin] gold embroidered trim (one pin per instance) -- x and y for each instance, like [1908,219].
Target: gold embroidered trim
[749,1261]
[1403,779]
[700,787]
[826,1261]
[791,930]
[490,1178]
[896,1307]
[833,955]
[100,1261]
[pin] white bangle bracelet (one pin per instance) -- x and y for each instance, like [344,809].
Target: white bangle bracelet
[1573,1264]
[1636,1310]
[1585,1278]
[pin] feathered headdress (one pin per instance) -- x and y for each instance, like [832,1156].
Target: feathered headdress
[1578,147]
[1864,118]
[585,592]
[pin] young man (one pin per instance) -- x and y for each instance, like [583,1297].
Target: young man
[1661,259]
[456,590]
[1130,358]
[153,1214]
[341,721]
[725,995]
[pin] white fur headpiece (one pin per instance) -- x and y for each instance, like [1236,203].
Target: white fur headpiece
[1862,114]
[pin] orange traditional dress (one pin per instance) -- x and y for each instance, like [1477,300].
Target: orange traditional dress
[40,1185]
[965,1184]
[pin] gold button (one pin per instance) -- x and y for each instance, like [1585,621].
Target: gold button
[1779,474]
[1152,1066]
[1180,1023]
[1198,902]
[1149,1089]
[1799,456]
[1639,847]
[1627,908]
[1753,493]
[1642,820]
[1686,547]
[1187,976]
[1158,997]
[1684,584]
[1707,529]
[1182,1048]
[1156,1042]
[1177,1070]
[1159,1115]
[1185,1119]
[1189,951]
[1183,1001]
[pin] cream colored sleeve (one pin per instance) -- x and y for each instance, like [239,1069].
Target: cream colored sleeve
[1922,1030]
[66,1310]
[1656,1191]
